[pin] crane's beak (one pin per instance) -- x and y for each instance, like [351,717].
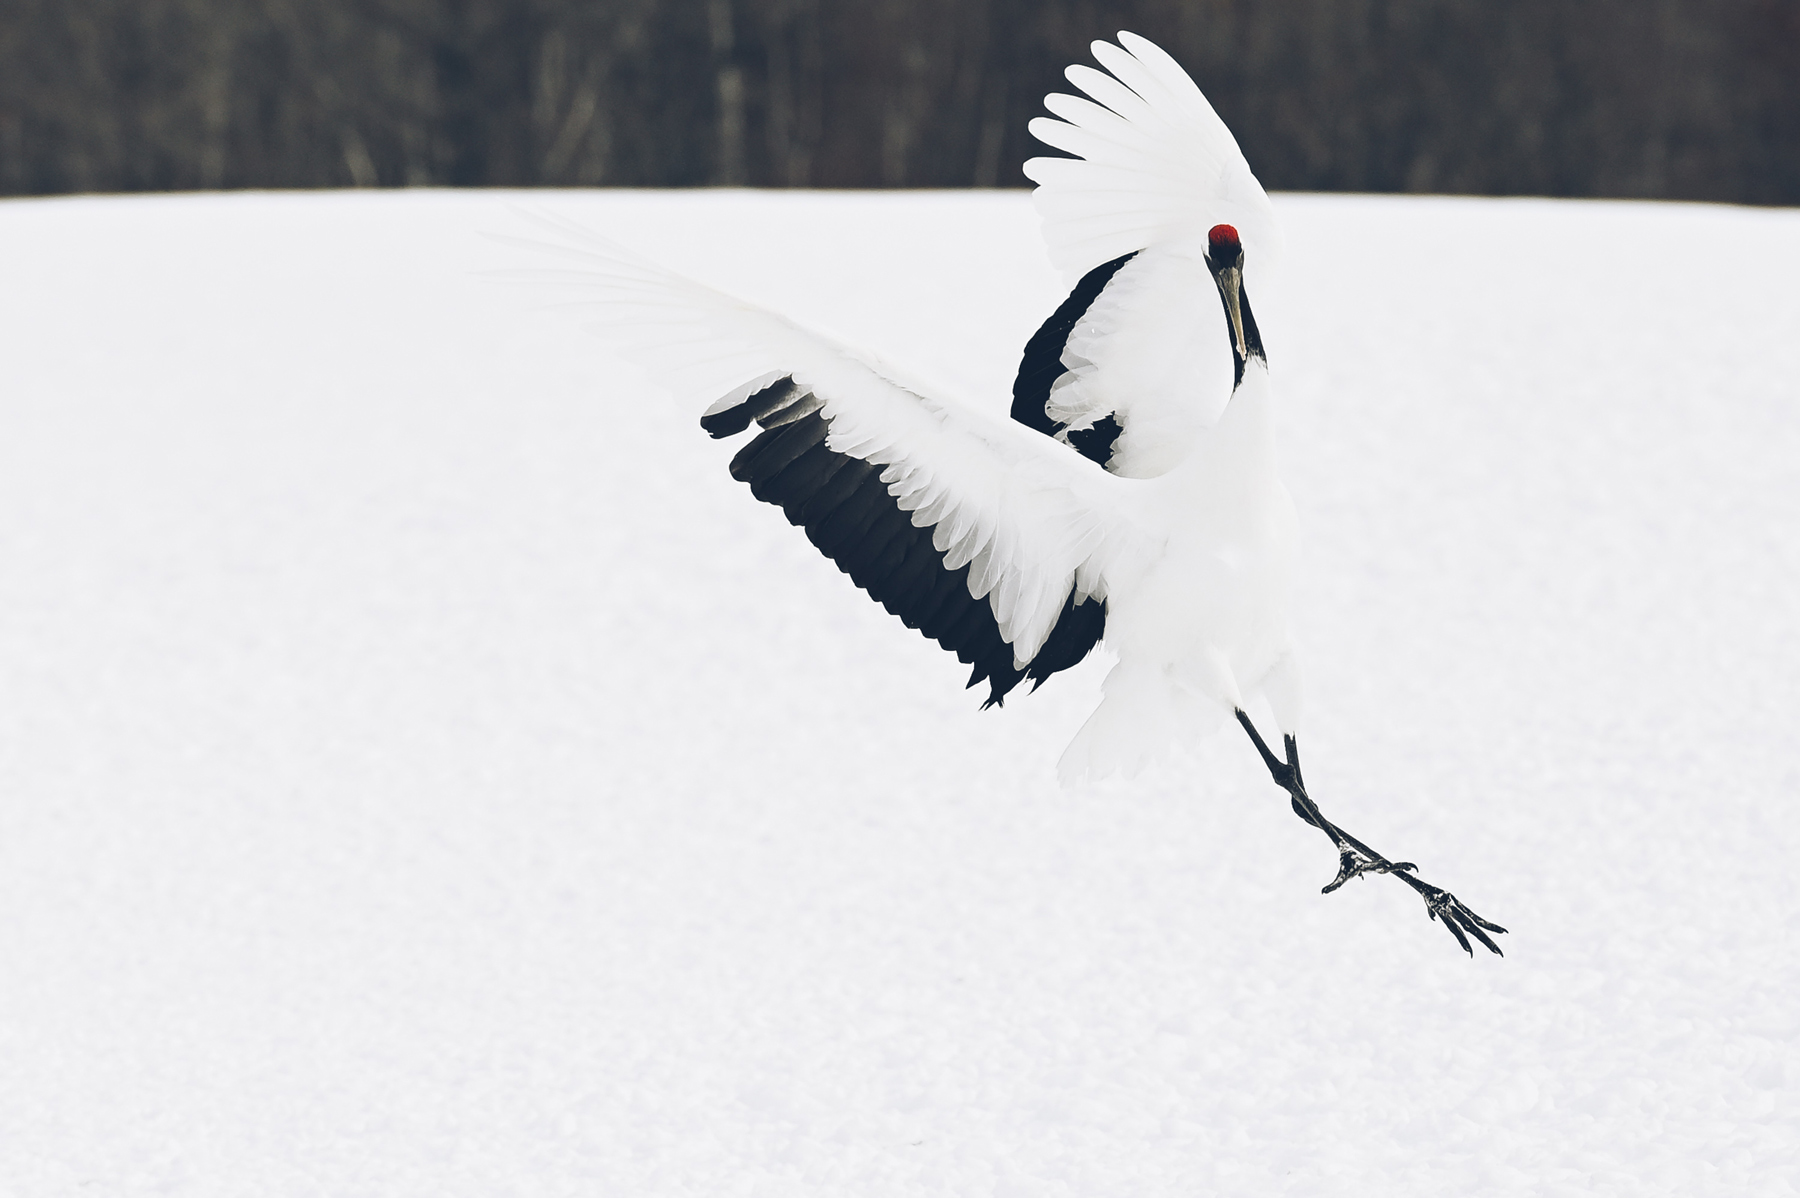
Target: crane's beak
[1231,285]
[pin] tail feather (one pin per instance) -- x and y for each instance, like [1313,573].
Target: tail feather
[1144,718]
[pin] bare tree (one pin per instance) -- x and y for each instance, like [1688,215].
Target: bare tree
[1677,98]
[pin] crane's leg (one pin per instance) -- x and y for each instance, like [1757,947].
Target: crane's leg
[1356,858]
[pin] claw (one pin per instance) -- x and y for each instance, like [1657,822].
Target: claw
[1458,933]
[1352,864]
[1441,904]
[1470,920]
[1492,927]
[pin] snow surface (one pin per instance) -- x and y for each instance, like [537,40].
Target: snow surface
[424,771]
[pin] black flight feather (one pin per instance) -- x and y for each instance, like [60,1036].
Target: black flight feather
[1042,365]
[847,512]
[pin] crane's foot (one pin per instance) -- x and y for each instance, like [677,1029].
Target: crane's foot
[1355,861]
[1442,905]
[1354,864]
[1356,858]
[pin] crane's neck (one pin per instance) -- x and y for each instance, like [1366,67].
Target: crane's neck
[1247,428]
[1245,434]
[1237,452]
[1249,351]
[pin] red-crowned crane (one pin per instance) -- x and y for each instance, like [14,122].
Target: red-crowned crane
[1133,496]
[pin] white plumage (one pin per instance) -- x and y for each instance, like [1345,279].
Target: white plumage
[1150,514]
[1189,539]
[1155,165]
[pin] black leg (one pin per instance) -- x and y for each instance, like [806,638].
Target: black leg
[1356,858]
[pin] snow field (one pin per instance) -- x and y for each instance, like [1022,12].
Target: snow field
[426,772]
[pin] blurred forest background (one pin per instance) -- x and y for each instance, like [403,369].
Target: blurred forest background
[1691,99]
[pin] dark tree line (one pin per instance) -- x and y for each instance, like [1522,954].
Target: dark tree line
[1691,99]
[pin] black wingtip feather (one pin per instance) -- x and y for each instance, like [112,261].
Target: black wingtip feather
[774,451]
[808,473]
[758,406]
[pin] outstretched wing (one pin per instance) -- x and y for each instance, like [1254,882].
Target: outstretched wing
[987,538]
[1137,361]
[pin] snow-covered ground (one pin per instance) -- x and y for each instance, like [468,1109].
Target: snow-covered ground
[424,771]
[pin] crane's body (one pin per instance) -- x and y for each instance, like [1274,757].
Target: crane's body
[1201,625]
[1133,497]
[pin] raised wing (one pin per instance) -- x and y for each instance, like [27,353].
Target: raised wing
[1137,361]
[989,539]
[1153,163]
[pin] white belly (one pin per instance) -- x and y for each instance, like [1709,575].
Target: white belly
[1200,626]
[1215,608]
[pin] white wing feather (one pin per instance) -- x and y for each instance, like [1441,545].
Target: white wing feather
[1033,519]
[1155,164]
[1152,352]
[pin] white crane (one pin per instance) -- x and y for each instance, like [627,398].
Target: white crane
[1132,498]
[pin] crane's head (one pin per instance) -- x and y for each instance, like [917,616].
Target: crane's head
[1225,258]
